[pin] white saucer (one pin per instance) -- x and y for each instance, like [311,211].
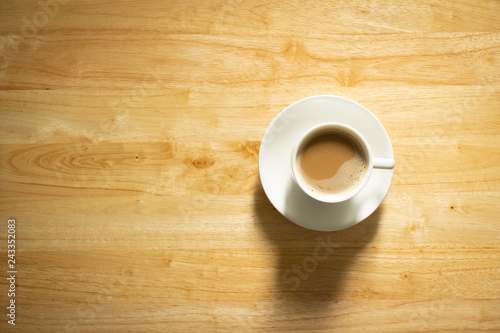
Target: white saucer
[275,167]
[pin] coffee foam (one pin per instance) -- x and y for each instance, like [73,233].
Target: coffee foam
[347,178]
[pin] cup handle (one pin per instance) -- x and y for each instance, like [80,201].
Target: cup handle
[383,163]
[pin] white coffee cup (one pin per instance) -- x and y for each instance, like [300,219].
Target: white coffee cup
[371,161]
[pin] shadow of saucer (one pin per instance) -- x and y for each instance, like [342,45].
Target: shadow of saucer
[311,265]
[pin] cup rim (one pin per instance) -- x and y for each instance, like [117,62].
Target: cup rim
[325,197]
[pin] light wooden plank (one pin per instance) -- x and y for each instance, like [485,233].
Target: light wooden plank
[242,17]
[193,61]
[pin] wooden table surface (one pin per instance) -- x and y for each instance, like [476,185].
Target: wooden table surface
[129,143]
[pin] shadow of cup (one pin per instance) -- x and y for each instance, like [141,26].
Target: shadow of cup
[310,265]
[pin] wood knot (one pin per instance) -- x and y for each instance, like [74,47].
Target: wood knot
[200,162]
[168,149]
[295,50]
[250,149]
[459,209]
[349,77]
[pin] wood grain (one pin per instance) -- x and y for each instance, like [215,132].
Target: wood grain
[129,150]
[336,60]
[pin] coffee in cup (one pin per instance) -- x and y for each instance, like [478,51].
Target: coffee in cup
[332,162]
